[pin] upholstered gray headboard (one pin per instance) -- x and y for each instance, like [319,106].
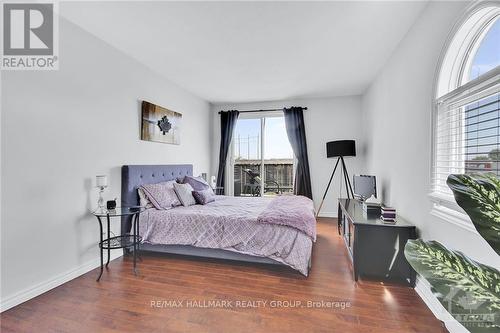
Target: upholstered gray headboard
[134,176]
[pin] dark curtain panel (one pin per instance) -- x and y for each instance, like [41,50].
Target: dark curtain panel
[227,123]
[294,121]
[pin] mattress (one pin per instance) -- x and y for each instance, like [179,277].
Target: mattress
[228,223]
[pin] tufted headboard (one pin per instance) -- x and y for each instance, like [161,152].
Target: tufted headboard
[134,176]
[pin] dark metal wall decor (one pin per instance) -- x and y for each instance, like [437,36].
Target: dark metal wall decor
[160,124]
[164,125]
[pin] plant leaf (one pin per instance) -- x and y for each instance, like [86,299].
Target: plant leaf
[480,198]
[469,290]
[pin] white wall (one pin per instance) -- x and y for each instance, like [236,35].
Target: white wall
[325,120]
[397,113]
[59,130]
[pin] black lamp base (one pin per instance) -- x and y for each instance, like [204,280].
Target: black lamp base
[347,181]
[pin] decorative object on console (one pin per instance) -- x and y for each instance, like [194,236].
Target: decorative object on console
[101,182]
[160,124]
[339,149]
[371,207]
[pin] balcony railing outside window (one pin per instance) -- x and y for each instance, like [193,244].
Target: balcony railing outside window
[278,177]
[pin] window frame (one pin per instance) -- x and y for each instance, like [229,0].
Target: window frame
[451,90]
[230,166]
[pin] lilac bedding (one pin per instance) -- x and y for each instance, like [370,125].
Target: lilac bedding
[292,211]
[229,223]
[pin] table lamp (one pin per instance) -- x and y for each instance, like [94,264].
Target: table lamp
[101,182]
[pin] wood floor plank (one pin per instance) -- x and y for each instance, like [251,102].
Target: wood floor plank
[122,301]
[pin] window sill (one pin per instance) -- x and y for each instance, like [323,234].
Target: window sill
[445,208]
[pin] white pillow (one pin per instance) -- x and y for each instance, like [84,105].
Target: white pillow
[185,194]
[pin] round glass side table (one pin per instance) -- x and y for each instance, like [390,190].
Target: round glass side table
[122,241]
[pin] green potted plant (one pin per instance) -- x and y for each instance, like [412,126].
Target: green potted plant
[469,290]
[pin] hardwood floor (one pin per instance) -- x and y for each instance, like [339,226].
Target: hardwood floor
[122,302]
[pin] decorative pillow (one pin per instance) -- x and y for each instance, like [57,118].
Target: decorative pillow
[185,194]
[197,183]
[143,199]
[161,195]
[204,197]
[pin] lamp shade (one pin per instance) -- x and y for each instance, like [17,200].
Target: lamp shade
[341,148]
[101,181]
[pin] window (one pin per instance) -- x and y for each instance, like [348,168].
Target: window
[482,137]
[467,106]
[487,55]
[262,161]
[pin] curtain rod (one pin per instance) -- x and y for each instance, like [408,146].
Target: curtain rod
[266,110]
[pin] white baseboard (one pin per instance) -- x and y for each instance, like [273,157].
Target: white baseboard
[328,214]
[423,289]
[31,292]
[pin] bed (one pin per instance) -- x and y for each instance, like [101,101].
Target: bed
[226,228]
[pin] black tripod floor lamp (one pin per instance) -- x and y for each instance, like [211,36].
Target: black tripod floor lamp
[340,149]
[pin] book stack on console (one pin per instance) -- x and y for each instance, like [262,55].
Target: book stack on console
[388,215]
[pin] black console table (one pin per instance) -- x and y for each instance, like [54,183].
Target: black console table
[375,248]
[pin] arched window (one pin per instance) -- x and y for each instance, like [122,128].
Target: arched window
[466,136]
[487,55]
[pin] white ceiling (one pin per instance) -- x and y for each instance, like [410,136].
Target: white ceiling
[254,51]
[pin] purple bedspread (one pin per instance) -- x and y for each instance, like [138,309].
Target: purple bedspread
[291,211]
[228,223]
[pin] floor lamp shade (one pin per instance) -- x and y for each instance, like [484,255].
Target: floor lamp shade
[341,148]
